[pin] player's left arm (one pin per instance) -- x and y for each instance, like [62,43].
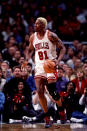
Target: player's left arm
[56,40]
[62,48]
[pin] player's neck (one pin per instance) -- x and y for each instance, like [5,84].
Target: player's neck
[41,34]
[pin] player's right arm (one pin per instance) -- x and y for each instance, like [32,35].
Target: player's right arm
[31,47]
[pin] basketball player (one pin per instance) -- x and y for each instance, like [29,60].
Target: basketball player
[44,42]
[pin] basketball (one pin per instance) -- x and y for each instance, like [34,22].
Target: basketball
[49,66]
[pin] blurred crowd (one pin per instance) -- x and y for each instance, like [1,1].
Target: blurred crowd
[66,18]
[18,94]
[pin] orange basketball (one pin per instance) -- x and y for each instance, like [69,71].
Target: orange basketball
[49,66]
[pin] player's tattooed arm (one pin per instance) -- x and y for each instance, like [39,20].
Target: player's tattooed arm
[56,40]
[62,49]
[53,37]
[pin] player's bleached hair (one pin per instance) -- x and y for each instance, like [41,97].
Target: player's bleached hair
[43,20]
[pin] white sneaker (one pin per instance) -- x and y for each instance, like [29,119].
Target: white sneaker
[58,121]
[14,121]
[76,120]
[28,119]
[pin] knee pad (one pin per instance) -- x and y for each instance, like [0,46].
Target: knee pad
[52,91]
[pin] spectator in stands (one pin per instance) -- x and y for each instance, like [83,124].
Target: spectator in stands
[70,99]
[65,66]
[83,100]
[26,41]
[31,83]
[28,75]
[79,82]
[9,74]
[2,43]
[11,40]
[17,56]
[2,80]
[79,47]
[24,74]
[21,60]
[49,22]
[61,63]
[77,63]
[74,45]
[69,73]
[70,63]
[4,67]
[9,53]
[61,80]
[2,101]
[84,51]
[17,22]
[85,72]
[79,55]
[66,30]
[69,55]
[29,68]
[7,33]
[81,116]
[21,102]
[1,58]
[9,89]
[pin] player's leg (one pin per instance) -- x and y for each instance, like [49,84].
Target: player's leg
[40,89]
[55,95]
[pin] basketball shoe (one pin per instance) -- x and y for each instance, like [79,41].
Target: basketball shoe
[48,122]
[62,117]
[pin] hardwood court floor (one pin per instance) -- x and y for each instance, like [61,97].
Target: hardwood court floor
[40,127]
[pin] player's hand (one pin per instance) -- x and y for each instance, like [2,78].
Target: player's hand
[56,62]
